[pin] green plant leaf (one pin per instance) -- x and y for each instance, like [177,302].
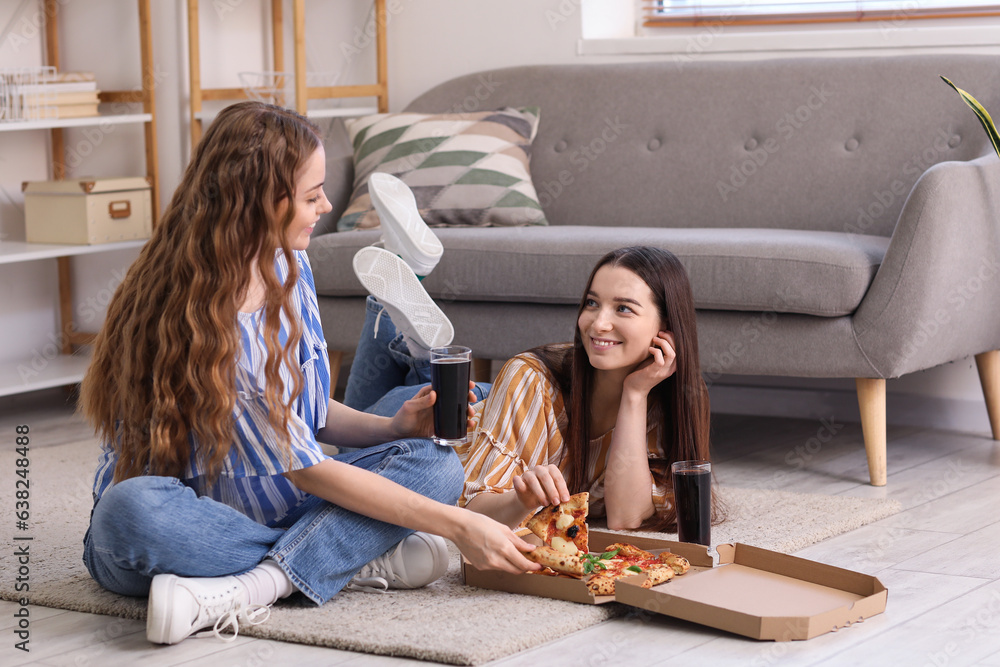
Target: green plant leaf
[634,568]
[981,113]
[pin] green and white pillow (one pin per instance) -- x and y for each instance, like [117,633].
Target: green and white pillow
[466,169]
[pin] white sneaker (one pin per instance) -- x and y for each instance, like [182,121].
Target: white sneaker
[391,280]
[413,563]
[403,230]
[180,606]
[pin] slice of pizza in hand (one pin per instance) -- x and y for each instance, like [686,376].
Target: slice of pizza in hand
[562,563]
[563,526]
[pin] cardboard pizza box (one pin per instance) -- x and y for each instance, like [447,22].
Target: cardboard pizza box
[568,588]
[762,594]
[750,591]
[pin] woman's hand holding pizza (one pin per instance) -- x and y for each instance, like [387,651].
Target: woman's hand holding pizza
[542,485]
[490,545]
[661,364]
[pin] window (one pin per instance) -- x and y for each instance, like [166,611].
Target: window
[757,12]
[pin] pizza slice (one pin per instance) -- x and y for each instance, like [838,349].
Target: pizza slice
[678,564]
[563,526]
[601,584]
[630,551]
[556,561]
[657,574]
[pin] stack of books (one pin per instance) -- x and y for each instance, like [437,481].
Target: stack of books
[57,95]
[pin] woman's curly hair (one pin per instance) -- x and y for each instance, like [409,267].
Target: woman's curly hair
[163,374]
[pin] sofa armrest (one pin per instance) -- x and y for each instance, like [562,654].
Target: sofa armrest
[935,297]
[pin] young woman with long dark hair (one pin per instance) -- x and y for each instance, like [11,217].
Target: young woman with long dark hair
[606,414]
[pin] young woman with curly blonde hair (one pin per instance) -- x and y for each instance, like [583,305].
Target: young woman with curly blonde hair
[209,389]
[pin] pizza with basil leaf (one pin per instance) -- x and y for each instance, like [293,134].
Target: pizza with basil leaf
[563,531]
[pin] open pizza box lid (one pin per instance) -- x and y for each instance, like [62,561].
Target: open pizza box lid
[751,591]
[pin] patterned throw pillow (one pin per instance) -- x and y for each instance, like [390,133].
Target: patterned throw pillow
[464,169]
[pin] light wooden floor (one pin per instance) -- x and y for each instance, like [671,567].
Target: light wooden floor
[939,558]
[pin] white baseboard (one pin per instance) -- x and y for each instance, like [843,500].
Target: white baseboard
[946,414]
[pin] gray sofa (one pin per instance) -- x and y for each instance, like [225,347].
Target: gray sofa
[838,217]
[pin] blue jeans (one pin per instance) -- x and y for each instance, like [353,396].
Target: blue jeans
[146,526]
[383,374]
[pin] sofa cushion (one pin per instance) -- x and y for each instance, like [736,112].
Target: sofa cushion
[468,169]
[786,271]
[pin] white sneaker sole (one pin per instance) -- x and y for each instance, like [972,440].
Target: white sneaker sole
[391,280]
[405,232]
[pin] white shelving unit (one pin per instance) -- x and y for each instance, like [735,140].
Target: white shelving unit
[49,368]
[58,123]
[66,365]
[338,112]
[12,252]
[42,373]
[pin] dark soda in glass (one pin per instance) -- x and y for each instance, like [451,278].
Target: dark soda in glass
[693,500]
[450,380]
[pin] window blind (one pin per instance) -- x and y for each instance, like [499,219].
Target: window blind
[758,12]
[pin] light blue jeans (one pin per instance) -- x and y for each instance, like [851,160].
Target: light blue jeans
[383,374]
[150,525]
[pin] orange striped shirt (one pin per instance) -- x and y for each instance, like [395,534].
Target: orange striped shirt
[518,428]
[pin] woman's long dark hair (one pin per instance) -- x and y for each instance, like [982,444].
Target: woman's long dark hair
[680,401]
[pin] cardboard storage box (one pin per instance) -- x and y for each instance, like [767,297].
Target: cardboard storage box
[88,211]
[751,591]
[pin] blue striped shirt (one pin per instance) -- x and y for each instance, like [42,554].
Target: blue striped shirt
[251,480]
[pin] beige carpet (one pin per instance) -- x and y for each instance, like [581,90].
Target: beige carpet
[447,621]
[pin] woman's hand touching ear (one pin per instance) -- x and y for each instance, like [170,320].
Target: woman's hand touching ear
[661,364]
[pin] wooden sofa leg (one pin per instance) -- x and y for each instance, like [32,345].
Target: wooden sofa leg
[336,358]
[871,400]
[988,364]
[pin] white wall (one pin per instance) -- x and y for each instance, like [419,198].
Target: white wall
[430,41]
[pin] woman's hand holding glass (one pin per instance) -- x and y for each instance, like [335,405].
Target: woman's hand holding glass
[415,418]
